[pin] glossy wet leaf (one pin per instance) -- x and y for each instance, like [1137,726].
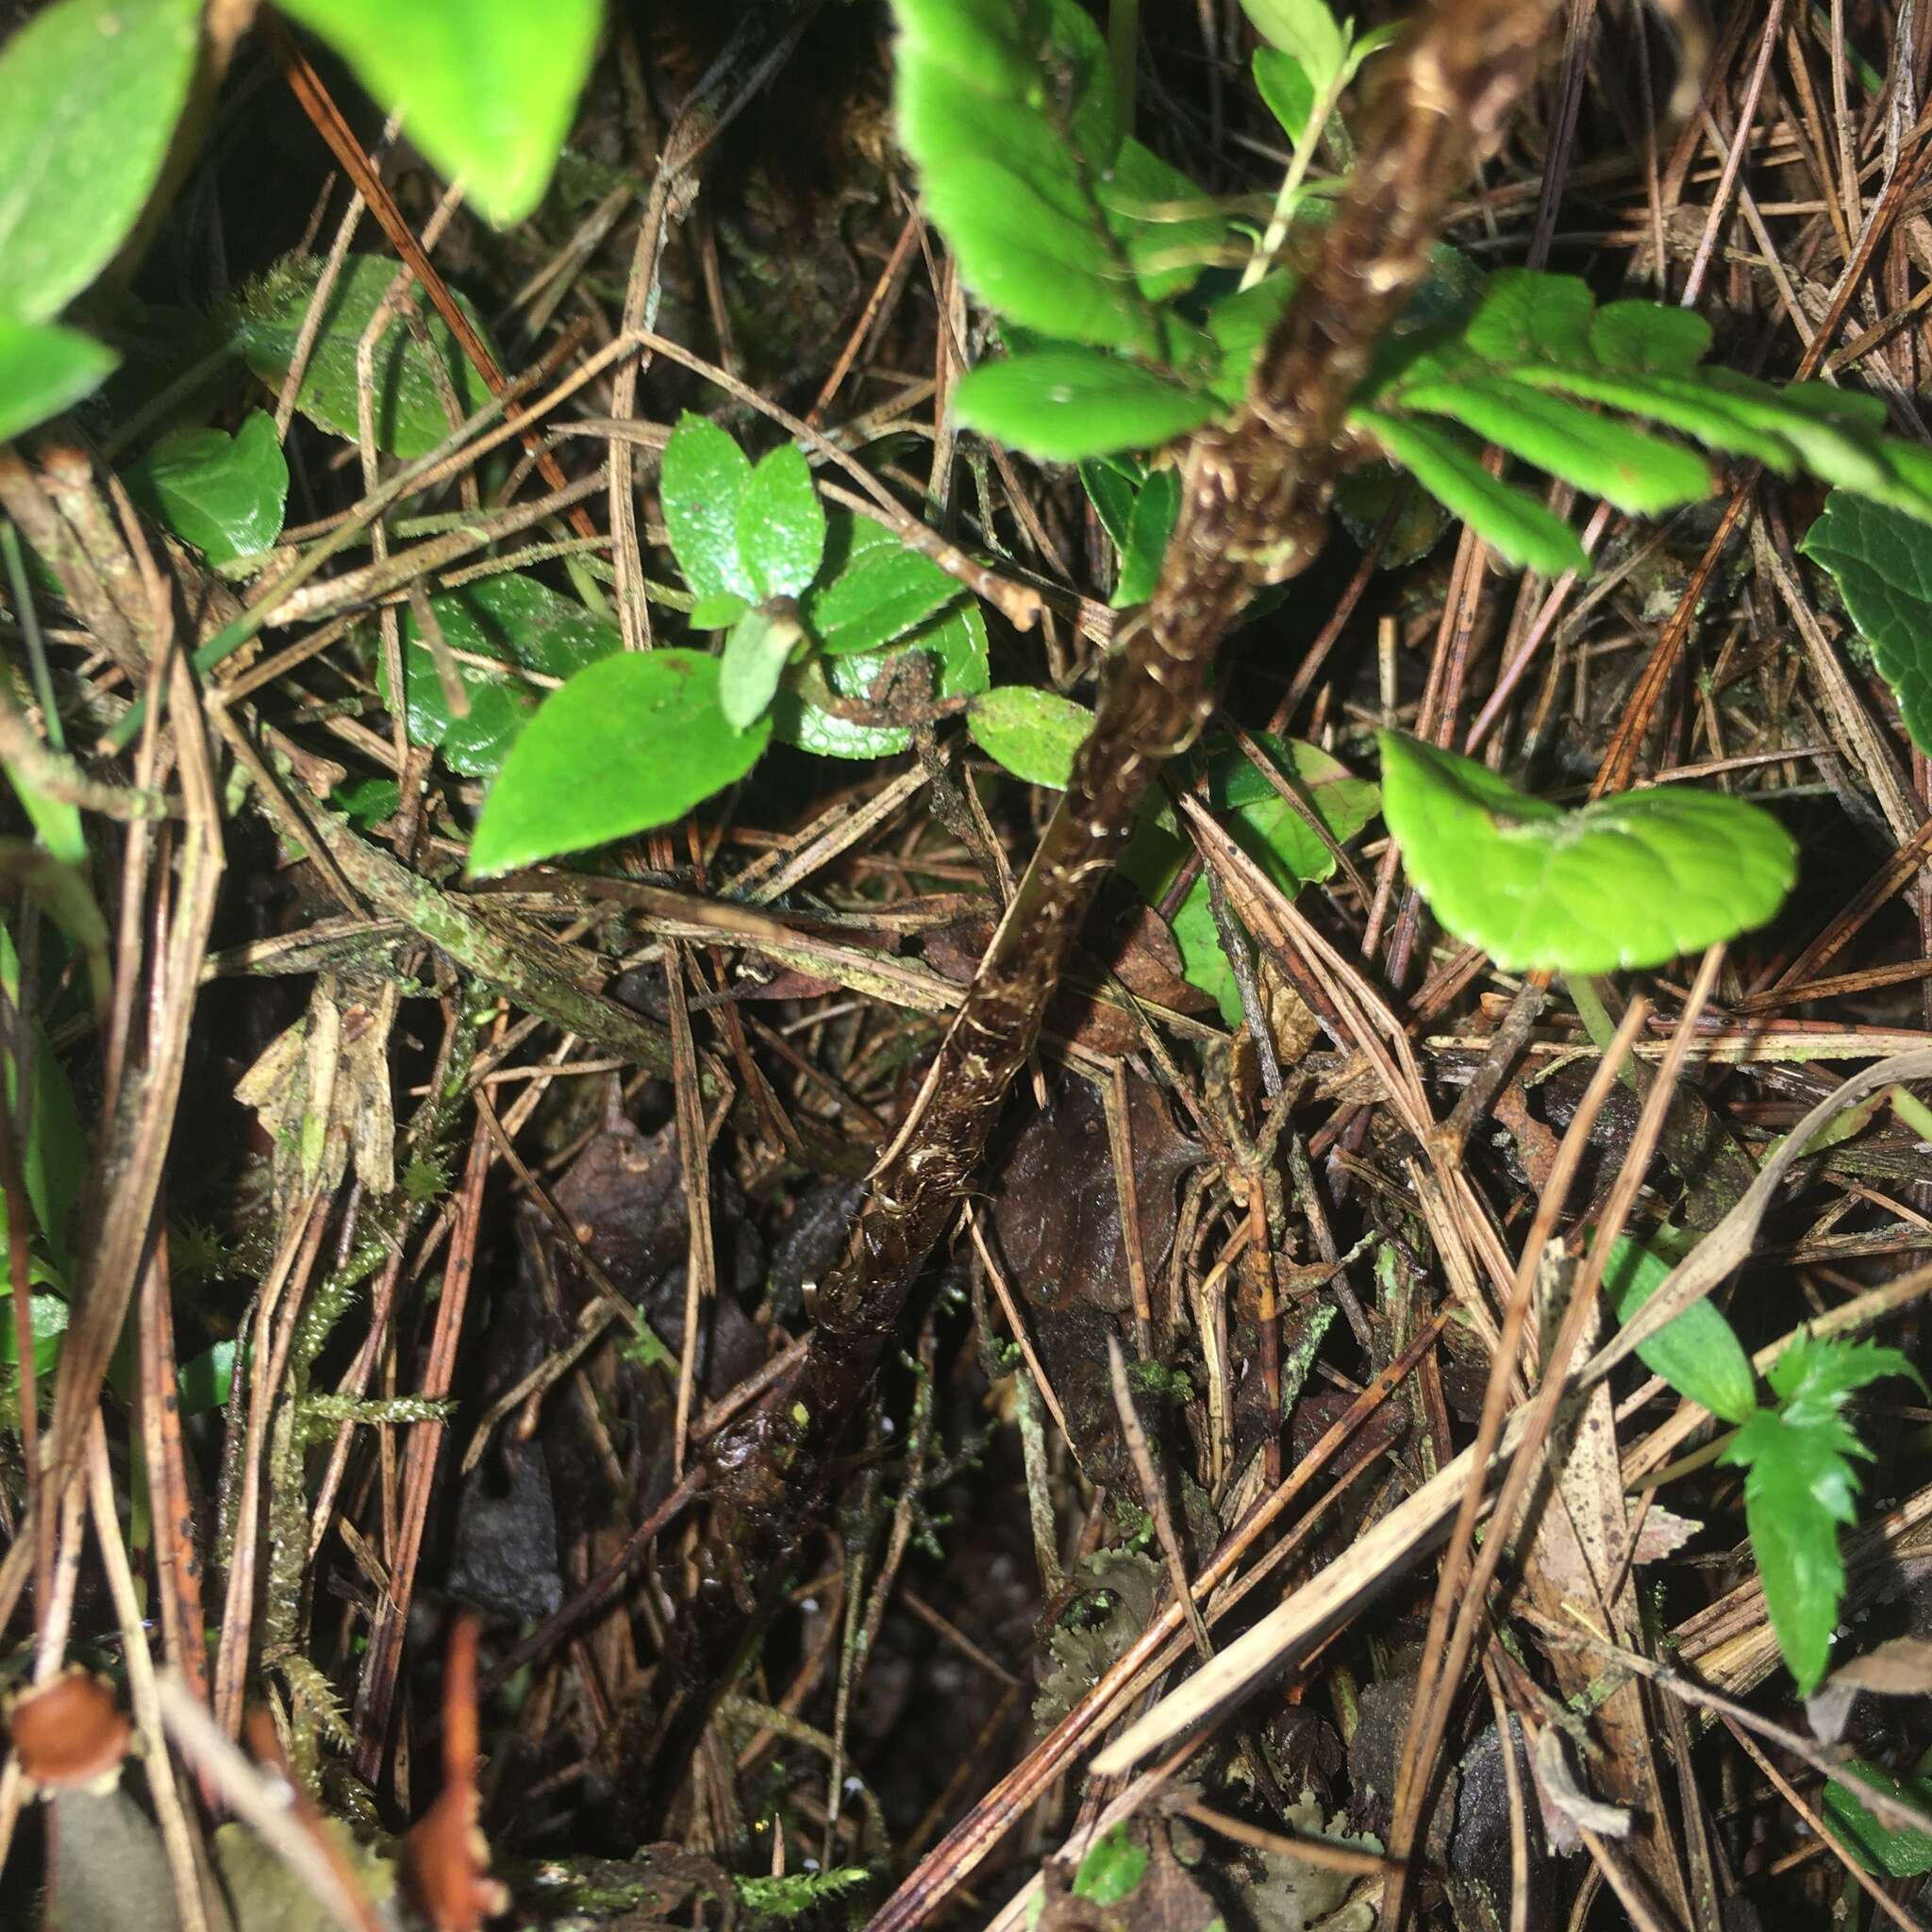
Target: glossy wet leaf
[1156,510]
[1881,561]
[632,742]
[753,660]
[225,494]
[47,1316]
[488,89]
[512,625]
[1898,1851]
[952,646]
[411,419]
[90,93]
[1516,526]
[1800,1487]
[703,480]
[1030,733]
[1062,404]
[1628,881]
[872,588]
[1699,1354]
[781,525]
[46,368]
[1007,111]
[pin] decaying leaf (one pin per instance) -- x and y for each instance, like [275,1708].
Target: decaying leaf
[68,1734]
[445,1857]
[321,1091]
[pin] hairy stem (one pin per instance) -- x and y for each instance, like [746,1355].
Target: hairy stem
[1254,492]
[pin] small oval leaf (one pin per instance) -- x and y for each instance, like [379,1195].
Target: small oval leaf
[704,477]
[781,525]
[224,494]
[1064,404]
[1032,734]
[632,742]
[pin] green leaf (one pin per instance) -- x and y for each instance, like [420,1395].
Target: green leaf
[46,368]
[1161,219]
[224,494]
[368,801]
[411,419]
[204,1380]
[872,588]
[1647,339]
[1519,529]
[1283,83]
[1524,316]
[1881,560]
[781,525]
[1113,1868]
[718,612]
[1274,833]
[754,659]
[1634,472]
[1156,511]
[1008,109]
[703,480]
[1304,29]
[1111,484]
[1032,734]
[1898,1852]
[954,646]
[1699,1354]
[1064,404]
[1628,881]
[1800,1487]
[48,1317]
[90,93]
[487,90]
[632,742]
[511,621]
[1814,1376]
[1240,324]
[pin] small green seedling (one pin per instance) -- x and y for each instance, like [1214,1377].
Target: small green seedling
[822,615]
[1628,881]
[1797,1451]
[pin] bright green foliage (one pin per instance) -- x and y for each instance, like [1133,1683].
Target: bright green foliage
[755,653]
[1275,834]
[1881,560]
[411,419]
[1064,404]
[1699,1354]
[1007,108]
[704,476]
[1112,1868]
[948,651]
[796,1894]
[44,368]
[1306,32]
[225,494]
[1283,83]
[1032,734]
[1899,1852]
[514,624]
[1628,881]
[1536,349]
[781,525]
[872,588]
[1137,510]
[90,93]
[632,742]
[205,1380]
[1800,1487]
[47,1316]
[486,88]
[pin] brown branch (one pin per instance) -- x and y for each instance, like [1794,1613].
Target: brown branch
[1255,493]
